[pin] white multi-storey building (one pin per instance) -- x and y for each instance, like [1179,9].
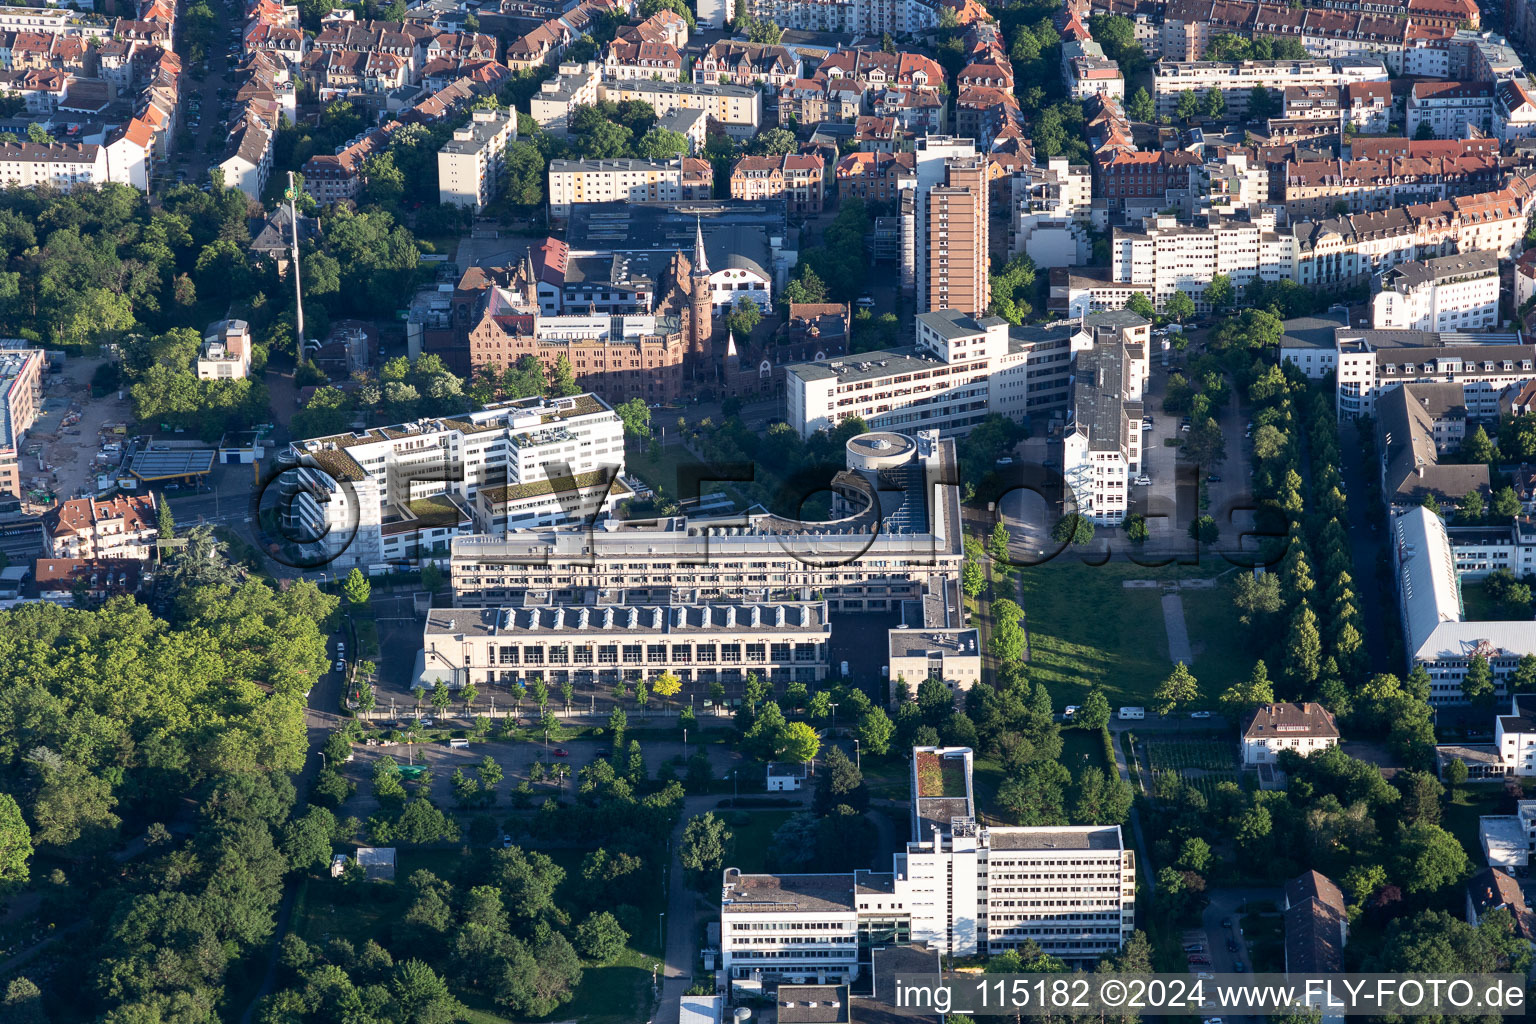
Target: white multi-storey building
[575,85]
[1451,109]
[605,181]
[1237,79]
[594,646]
[1435,631]
[469,164]
[1101,446]
[526,463]
[962,888]
[895,534]
[57,165]
[226,353]
[852,18]
[1447,293]
[961,370]
[1170,257]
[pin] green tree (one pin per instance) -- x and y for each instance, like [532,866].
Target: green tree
[973,574]
[600,938]
[744,317]
[420,996]
[15,845]
[1095,712]
[876,730]
[1477,686]
[1188,105]
[1476,447]
[1141,306]
[1179,688]
[797,743]
[1139,107]
[1073,528]
[1180,306]
[1240,698]
[356,588]
[1303,647]
[1220,293]
[704,843]
[1215,103]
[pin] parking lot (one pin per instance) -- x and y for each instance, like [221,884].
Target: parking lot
[62,446]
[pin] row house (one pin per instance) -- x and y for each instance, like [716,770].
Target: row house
[32,50]
[1315,188]
[743,63]
[915,108]
[120,527]
[338,73]
[442,71]
[799,179]
[814,100]
[407,40]
[114,62]
[484,79]
[982,111]
[880,135]
[1514,111]
[333,177]
[545,43]
[992,76]
[662,27]
[271,12]
[156,32]
[1130,179]
[464,46]
[59,165]
[280,40]
[879,69]
[41,90]
[876,177]
[1366,105]
[247,160]
[643,60]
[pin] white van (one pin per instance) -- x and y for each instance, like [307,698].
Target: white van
[1127,714]
[458,744]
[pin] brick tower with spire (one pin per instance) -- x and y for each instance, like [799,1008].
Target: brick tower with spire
[701,322]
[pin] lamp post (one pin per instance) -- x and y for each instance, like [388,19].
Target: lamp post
[661,932]
[858,761]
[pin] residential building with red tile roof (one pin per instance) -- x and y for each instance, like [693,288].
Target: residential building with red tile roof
[124,526]
[797,178]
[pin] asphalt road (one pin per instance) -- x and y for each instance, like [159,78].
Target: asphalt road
[1223,905]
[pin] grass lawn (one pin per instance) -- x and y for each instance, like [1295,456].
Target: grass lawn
[1085,629]
[751,838]
[1468,803]
[1083,748]
[1477,606]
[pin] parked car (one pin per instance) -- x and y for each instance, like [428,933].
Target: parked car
[1070,710]
[1214,478]
[1005,461]
[1231,945]
[1194,947]
[1226,922]
[1200,714]
[1212,1020]
[1196,958]
[562,752]
[1143,480]
[341,665]
[1237,965]
[506,842]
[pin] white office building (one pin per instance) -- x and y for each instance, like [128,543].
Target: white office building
[1447,293]
[1435,632]
[962,888]
[1237,79]
[530,462]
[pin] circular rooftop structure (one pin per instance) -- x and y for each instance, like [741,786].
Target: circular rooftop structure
[880,449]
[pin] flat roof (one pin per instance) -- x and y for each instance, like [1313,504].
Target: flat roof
[785,893]
[865,365]
[167,465]
[1085,837]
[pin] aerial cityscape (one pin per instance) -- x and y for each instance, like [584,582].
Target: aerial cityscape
[718,511]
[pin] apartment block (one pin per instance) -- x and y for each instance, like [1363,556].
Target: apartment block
[575,85]
[1436,632]
[851,18]
[797,178]
[57,165]
[957,247]
[1101,445]
[572,182]
[594,646]
[125,526]
[902,533]
[469,165]
[1237,79]
[738,109]
[1452,110]
[1447,293]
[21,381]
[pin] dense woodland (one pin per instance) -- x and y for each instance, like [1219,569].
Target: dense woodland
[147,764]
